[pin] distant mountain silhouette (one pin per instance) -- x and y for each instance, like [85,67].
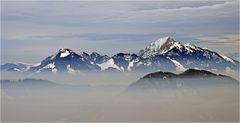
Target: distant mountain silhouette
[34,84]
[28,82]
[189,78]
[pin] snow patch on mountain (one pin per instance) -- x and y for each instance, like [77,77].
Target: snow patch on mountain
[49,66]
[36,64]
[190,47]
[176,44]
[54,70]
[16,69]
[179,66]
[70,70]
[64,53]
[109,64]
[227,58]
[130,65]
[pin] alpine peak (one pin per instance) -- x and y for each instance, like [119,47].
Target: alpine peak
[159,46]
[64,52]
[162,41]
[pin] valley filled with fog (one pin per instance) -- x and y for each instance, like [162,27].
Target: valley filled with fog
[37,100]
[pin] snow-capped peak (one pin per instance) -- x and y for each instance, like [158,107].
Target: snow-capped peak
[160,43]
[64,52]
[159,46]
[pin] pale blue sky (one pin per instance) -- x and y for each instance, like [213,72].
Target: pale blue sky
[32,31]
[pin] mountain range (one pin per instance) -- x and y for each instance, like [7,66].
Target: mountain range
[164,54]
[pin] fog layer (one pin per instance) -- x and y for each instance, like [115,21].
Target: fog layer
[114,104]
